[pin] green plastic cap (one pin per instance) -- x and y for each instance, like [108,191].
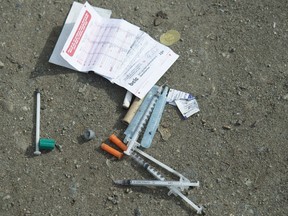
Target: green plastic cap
[46,144]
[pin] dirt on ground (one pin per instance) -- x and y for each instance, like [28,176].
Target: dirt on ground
[233,59]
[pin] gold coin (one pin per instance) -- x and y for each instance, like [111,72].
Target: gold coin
[170,37]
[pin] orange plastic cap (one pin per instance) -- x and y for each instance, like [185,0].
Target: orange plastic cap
[114,139]
[111,151]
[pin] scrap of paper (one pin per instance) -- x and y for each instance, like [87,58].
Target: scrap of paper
[185,102]
[187,107]
[174,94]
[116,50]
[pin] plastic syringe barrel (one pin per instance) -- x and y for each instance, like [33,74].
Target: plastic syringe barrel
[140,112]
[132,143]
[154,119]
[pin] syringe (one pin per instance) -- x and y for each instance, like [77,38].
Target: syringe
[148,167]
[156,183]
[37,139]
[173,189]
[164,166]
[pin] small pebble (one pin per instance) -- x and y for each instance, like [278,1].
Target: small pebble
[82,89]
[232,50]
[128,191]
[248,182]
[203,121]
[25,108]
[165,133]
[226,127]
[253,124]
[7,197]
[59,147]
[7,106]
[1,65]
[285,97]
[162,15]
[158,21]
[238,123]
[137,212]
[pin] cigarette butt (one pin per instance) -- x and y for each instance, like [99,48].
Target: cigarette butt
[127,100]
[114,139]
[111,150]
[132,110]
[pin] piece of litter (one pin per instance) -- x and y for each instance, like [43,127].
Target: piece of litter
[132,110]
[116,50]
[88,134]
[127,100]
[156,183]
[173,189]
[187,107]
[46,144]
[177,95]
[37,134]
[186,102]
[170,37]
[147,118]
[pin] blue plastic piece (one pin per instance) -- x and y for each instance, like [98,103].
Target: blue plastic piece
[140,112]
[154,119]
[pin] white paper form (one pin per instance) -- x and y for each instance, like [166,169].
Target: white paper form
[118,51]
[76,7]
[146,63]
[98,44]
